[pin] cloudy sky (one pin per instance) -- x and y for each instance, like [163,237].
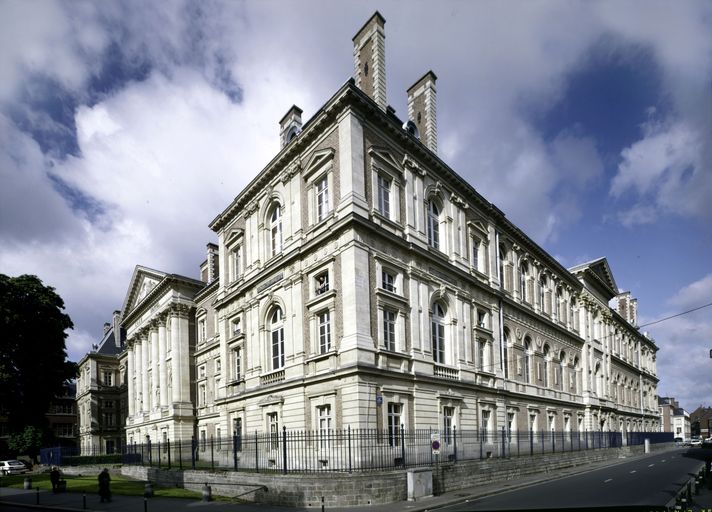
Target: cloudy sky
[126,126]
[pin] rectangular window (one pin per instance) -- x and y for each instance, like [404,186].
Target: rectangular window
[322,199]
[384,196]
[481,345]
[107,378]
[324,322]
[389,329]
[448,414]
[481,318]
[388,281]
[235,264]
[235,326]
[218,365]
[273,424]
[108,419]
[324,427]
[201,395]
[108,404]
[237,363]
[201,371]
[394,423]
[437,336]
[202,331]
[321,283]
[476,258]
[278,348]
[485,425]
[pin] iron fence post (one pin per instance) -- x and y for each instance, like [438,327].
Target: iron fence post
[212,454]
[349,432]
[504,444]
[454,443]
[284,450]
[180,454]
[234,450]
[168,451]
[192,451]
[402,429]
[159,454]
[531,442]
[150,453]
[257,458]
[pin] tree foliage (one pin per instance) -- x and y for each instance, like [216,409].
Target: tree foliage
[29,441]
[33,357]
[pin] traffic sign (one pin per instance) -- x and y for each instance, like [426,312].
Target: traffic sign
[435,443]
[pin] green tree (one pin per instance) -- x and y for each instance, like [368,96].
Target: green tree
[29,441]
[33,356]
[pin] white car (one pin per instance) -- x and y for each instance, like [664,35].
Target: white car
[696,441]
[11,467]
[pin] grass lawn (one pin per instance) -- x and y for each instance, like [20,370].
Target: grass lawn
[89,484]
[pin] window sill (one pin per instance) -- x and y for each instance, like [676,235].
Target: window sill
[322,297]
[391,295]
[320,357]
[392,353]
[379,218]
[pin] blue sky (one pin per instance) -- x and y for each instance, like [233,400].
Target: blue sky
[125,127]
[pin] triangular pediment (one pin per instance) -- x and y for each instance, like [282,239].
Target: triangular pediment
[600,271]
[318,160]
[385,157]
[143,281]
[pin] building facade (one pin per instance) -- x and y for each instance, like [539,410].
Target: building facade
[358,281]
[101,398]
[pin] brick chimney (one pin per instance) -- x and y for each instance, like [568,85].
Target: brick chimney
[290,125]
[370,59]
[212,262]
[422,110]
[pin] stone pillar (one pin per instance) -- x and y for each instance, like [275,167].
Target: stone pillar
[179,348]
[144,373]
[357,343]
[154,366]
[138,374]
[130,374]
[163,375]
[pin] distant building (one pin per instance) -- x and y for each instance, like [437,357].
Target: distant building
[62,417]
[701,422]
[101,393]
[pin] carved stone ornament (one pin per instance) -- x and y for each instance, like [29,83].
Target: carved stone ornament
[538,342]
[518,333]
[250,208]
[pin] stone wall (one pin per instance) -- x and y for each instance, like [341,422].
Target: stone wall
[343,490]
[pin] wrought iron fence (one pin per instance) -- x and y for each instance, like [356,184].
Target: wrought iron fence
[364,449]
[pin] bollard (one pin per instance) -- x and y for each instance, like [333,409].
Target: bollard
[28,483]
[322,504]
[84,501]
[145,505]
[148,490]
[38,496]
[207,492]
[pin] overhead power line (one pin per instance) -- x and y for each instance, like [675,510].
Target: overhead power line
[679,314]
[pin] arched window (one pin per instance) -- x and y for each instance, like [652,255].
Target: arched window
[546,366]
[523,274]
[275,228]
[560,306]
[574,375]
[562,369]
[433,225]
[543,285]
[572,314]
[276,327]
[505,351]
[502,262]
[527,359]
[437,333]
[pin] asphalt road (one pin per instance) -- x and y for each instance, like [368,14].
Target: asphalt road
[646,483]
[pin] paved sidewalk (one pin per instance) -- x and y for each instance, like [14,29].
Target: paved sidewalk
[75,501]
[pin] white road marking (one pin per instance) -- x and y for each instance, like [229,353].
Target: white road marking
[632,472]
[609,480]
[651,465]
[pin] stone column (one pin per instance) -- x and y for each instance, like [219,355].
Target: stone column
[163,383]
[138,374]
[130,372]
[154,366]
[179,355]
[144,373]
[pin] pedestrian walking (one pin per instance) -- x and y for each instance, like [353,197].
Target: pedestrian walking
[104,480]
[54,477]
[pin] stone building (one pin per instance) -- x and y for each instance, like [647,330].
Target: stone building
[101,399]
[358,281]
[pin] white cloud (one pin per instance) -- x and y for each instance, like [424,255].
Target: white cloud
[665,170]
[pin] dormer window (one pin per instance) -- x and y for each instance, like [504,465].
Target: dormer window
[321,283]
[388,281]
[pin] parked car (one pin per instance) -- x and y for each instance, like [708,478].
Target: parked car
[696,441]
[11,467]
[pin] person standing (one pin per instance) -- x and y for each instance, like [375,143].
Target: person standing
[104,480]
[54,478]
